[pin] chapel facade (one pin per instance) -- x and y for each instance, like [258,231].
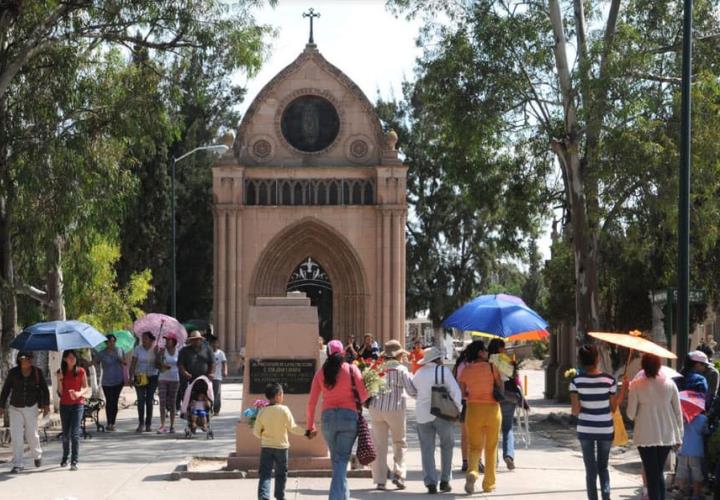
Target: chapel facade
[312,198]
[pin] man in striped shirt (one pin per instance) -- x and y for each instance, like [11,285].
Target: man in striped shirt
[387,413]
[594,397]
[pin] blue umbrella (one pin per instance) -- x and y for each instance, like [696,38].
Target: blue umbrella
[57,336]
[501,315]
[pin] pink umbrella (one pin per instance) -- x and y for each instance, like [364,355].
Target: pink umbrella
[162,326]
[692,404]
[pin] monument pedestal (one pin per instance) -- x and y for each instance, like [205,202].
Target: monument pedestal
[281,347]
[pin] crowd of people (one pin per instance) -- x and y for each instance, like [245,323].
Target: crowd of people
[482,391]
[660,424]
[165,371]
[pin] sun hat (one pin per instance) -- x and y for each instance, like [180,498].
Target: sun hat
[335,347]
[699,357]
[195,335]
[430,354]
[393,348]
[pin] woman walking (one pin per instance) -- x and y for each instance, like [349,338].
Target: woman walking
[508,372]
[341,386]
[478,382]
[387,413]
[433,374]
[654,405]
[594,398]
[144,374]
[168,383]
[112,359]
[73,388]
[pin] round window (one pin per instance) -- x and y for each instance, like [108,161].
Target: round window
[310,123]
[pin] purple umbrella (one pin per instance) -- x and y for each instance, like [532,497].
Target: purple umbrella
[162,326]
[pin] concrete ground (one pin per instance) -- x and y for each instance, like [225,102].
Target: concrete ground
[137,466]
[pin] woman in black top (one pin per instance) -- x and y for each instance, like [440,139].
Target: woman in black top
[27,390]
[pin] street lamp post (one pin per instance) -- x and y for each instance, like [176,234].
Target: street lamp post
[683,274]
[217,148]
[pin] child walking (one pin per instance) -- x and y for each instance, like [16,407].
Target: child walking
[271,426]
[691,456]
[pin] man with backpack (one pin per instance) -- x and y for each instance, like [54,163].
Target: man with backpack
[28,391]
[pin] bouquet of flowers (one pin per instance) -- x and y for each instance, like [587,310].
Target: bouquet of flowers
[252,412]
[373,375]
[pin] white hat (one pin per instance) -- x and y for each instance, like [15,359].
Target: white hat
[699,357]
[430,354]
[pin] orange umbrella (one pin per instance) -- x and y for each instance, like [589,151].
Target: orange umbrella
[529,335]
[634,342]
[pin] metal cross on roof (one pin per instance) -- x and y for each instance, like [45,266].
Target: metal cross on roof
[311,14]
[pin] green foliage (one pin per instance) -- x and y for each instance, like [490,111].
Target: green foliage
[92,294]
[540,349]
[624,91]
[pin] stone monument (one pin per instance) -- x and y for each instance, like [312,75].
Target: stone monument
[282,346]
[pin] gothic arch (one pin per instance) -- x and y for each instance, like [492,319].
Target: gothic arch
[310,237]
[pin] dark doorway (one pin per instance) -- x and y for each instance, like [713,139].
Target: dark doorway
[312,279]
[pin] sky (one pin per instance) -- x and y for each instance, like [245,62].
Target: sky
[361,37]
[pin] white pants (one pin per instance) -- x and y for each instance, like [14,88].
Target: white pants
[382,422]
[24,421]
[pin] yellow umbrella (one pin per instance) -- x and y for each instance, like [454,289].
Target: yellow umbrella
[635,342]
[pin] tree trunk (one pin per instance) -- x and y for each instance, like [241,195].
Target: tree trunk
[55,306]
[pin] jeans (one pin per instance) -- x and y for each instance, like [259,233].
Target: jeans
[507,409]
[112,396]
[70,417]
[596,464]
[24,422]
[339,428]
[653,460]
[217,390]
[426,434]
[145,395]
[269,457]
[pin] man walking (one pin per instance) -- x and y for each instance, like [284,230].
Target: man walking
[194,360]
[28,391]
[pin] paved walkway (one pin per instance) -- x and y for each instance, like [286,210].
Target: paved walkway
[136,466]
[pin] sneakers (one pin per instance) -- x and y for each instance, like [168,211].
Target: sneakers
[16,470]
[470,483]
[38,462]
[380,487]
[73,466]
[139,429]
[432,489]
[445,487]
[481,468]
[398,482]
[171,430]
[510,463]
[162,430]
[63,463]
[148,428]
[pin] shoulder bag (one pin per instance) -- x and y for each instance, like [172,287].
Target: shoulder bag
[498,392]
[366,448]
[441,403]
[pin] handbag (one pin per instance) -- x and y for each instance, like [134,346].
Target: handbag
[365,453]
[498,393]
[441,403]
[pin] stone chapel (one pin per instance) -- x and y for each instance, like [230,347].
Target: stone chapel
[311,198]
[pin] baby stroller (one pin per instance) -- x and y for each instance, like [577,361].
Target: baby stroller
[197,403]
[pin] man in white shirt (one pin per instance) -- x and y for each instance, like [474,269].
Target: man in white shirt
[221,371]
[428,426]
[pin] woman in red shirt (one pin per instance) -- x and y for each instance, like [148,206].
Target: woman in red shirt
[338,382]
[73,389]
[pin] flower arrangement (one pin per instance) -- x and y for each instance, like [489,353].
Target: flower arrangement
[570,373]
[373,375]
[252,412]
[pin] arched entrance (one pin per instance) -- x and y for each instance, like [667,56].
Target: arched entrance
[332,254]
[312,279]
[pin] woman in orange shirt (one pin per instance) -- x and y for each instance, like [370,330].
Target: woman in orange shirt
[482,420]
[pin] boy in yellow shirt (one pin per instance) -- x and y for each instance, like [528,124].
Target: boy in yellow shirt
[271,426]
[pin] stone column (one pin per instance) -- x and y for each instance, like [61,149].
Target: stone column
[221,273]
[237,340]
[387,300]
[232,285]
[398,285]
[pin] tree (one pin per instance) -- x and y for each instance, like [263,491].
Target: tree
[79,139]
[620,81]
